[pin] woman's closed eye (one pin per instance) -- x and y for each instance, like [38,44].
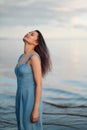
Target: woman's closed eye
[32,34]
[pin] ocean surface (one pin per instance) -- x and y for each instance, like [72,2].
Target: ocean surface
[64,88]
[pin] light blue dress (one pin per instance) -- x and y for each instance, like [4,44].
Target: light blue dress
[25,96]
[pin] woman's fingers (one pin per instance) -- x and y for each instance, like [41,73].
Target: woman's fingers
[34,119]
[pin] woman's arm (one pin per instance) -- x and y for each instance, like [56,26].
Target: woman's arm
[36,65]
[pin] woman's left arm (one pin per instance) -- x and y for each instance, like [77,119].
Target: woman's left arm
[36,65]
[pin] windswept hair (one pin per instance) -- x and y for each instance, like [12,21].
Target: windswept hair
[43,52]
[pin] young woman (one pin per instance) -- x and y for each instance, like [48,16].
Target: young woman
[32,65]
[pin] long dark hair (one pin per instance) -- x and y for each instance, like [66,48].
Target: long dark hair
[43,52]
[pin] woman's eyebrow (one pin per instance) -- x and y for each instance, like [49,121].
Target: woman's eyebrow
[33,33]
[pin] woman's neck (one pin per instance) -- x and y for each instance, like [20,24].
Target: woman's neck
[27,51]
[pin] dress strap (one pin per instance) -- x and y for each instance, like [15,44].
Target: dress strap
[34,53]
[20,57]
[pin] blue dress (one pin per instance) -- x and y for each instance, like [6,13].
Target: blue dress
[25,96]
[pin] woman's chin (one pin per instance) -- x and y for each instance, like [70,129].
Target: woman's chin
[24,39]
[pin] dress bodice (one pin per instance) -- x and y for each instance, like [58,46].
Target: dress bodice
[24,71]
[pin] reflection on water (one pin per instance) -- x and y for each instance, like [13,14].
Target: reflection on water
[64,89]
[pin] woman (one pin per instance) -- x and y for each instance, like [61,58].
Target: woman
[32,65]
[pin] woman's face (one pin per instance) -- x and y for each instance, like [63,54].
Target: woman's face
[31,37]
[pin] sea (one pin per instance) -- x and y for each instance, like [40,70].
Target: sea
[64,90]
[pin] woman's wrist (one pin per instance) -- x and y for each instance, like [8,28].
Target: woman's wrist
[36,108]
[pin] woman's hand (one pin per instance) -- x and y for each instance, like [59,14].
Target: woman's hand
[34,116]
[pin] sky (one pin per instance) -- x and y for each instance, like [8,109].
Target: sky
[56,19]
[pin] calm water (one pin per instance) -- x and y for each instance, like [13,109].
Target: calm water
[64,89]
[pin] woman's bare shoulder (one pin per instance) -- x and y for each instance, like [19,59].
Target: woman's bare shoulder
[35,57]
